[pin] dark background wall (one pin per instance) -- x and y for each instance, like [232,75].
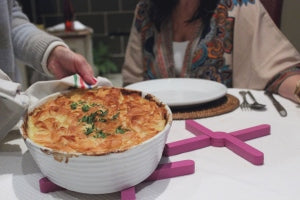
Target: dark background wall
[110,19]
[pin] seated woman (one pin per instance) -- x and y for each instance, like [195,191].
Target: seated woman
[234,42]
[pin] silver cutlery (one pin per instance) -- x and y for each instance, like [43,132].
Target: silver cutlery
[255,105]
[277,105]
[244,105]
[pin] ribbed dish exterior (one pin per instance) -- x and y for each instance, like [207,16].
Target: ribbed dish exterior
[101,174]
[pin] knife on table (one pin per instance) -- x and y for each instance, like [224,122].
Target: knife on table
[277,105]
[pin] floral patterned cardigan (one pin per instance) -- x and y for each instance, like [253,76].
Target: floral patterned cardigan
[241,48]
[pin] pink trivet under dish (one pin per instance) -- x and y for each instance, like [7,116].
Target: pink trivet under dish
[163,171]
[204,138]
[233,141]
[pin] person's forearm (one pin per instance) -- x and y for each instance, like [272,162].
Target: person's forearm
[288,87]
[29,42]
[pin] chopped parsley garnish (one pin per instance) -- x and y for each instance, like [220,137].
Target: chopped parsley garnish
[89,130]
[95,104]
[102,120]
[85,108]
[116,116]
[73,105]
[100,134]
[89,119]
[121,130]
[84,119]
[103,113]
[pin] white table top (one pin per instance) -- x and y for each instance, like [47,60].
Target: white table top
[219,173]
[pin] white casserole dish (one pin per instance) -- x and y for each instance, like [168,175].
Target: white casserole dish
[104,173]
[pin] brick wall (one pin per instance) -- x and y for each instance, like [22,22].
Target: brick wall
[110,19]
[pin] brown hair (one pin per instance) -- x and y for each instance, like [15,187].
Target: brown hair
[161,10]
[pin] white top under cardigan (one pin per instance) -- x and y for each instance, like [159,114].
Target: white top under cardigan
[179,49]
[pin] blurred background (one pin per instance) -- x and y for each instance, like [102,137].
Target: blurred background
[108,22]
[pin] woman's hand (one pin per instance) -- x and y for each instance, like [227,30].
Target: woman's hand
[63,62]
[288,87]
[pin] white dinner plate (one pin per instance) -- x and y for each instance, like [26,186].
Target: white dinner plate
[181,91]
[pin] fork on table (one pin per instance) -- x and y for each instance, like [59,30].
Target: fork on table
[244,105]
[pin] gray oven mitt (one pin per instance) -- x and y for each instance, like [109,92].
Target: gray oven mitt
[14,103]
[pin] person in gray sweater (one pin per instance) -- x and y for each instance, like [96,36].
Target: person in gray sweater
[47,54]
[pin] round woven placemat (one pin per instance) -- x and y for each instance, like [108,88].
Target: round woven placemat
[220,106]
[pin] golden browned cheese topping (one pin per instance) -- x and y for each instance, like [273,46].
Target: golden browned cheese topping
[95,121]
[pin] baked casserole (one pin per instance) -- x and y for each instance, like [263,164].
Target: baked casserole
[95,121]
